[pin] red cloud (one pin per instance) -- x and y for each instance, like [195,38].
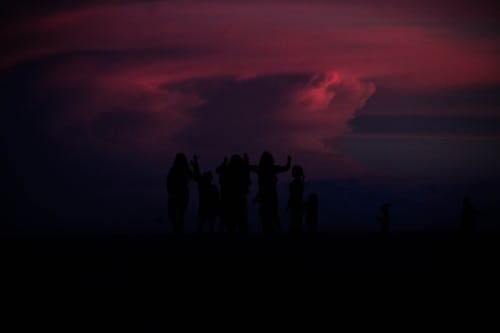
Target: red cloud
[261,38]
[120,56]
[320,111]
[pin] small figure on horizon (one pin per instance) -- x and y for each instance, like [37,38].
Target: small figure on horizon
[469,214]
[178,179]
[208,197]
[311,212]
[295,207]
[384,219]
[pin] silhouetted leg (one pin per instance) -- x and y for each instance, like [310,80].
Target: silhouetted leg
[180,222]
[211,224]
[266,222]
[276,219]
[243,227]
[174,217]
[242,223]
[171,212]
[177,226]
[223,222]
[201,222]
[292,223]
[295,222]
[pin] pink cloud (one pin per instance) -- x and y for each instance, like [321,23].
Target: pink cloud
[262,38]
[319,112]
[160,43]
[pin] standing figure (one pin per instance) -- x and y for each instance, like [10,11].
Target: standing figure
[234,177]
[311,212]
[222,171]
[178,191]
[384,219]
[295,199]
[469,213]
[239,180]
[208,197]
[267,195]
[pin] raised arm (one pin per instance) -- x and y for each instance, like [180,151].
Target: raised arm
[284,168]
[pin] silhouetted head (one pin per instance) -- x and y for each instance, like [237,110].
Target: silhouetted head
[207,177]
[236,160]
[313,198]
[266,160]
[180,162]
[466,200]
[298,172]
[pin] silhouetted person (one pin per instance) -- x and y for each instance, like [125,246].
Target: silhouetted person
[208,197]
[384,219]
[311,212]
[235,181]
[222,171]
[295,205]
[178,191]
[267,195]
[469,214]
[239,180]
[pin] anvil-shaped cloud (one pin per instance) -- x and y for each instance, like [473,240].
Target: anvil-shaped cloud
[161,76]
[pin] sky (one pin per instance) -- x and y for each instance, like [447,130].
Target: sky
[381,100]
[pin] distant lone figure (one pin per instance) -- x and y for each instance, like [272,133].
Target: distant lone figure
[208,197]
[311,212]
[469,214]
[295,205]
[267,195]
[178,191]
[384,219]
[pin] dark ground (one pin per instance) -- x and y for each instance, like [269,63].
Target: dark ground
[121,275]
[150,261]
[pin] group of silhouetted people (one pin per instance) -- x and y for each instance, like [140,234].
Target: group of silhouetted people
[228,206]
[226,210]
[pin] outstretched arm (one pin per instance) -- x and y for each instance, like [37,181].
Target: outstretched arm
[284,168]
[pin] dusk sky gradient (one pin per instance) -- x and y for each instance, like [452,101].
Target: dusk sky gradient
[98,96]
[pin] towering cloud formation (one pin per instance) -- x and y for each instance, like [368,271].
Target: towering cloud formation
[98,96]
[321,110]
[161,76]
